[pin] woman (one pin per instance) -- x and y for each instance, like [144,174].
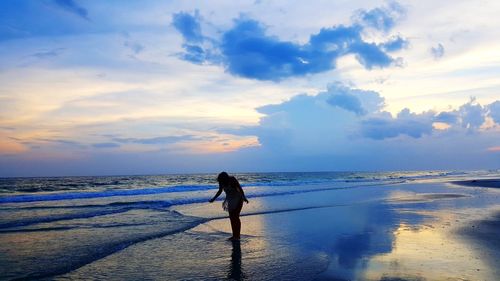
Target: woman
[233,202]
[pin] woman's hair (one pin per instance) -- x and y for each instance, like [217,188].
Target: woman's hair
[223,178]
[234,182]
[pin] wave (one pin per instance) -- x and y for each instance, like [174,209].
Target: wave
[100,248]
[60,228]
[53,218]
[89,184]
[100,194]
[57,196]
[88,211]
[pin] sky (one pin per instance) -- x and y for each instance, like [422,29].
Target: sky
[91,87]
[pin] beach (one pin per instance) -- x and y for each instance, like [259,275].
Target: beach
[428,228]
[249,140]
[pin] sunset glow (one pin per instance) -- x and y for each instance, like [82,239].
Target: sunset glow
[328,85]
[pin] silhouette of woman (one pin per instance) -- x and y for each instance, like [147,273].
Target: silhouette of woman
[233,202]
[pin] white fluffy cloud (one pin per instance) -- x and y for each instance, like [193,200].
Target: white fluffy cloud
[343,121]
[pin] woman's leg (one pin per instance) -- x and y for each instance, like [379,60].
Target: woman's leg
[234,216]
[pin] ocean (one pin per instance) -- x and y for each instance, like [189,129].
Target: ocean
[55,227]
[64,188]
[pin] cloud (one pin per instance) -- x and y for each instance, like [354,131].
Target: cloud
[395,44]
[307,123]
[155,140]
[334,119]
[189,26]
[345,128]
[105,145]
[48,54]
[382,18]
[194,54]
[113,143]
[472,115]
[355,100]
[72,7]
[348,102]
[438,51]
[10,146]
[447,117]
[494,111]
[405,123]
[247,50]
[371,55]
[135,47]
[63,142]
[42,20]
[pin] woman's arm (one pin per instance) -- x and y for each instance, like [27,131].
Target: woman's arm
[216,195]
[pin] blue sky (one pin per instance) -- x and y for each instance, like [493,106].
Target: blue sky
[139,87]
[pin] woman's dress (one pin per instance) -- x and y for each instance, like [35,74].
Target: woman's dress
[233,198]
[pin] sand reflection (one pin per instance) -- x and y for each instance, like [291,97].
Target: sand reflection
[429,252]
[235,271]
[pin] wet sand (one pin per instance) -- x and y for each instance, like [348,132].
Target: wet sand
[430,231]
[492,183]
[484,235]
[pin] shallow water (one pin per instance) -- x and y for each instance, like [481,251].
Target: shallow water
[310,229]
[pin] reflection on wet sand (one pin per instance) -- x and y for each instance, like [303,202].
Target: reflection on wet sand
[235,272]
[406,232]
[429,252]
[408,236]
[483,235]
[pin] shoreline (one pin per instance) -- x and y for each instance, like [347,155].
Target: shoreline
[402,231]
[490,183]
